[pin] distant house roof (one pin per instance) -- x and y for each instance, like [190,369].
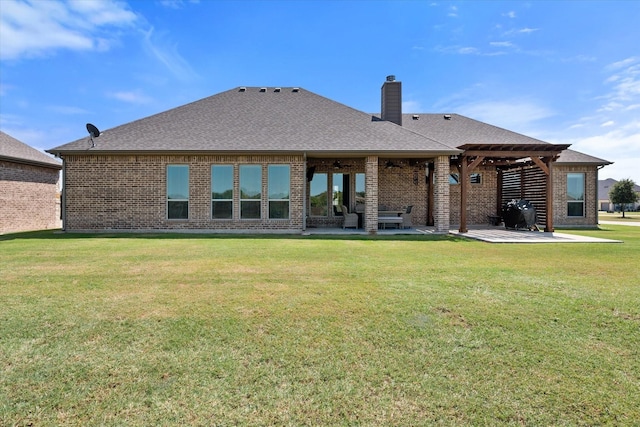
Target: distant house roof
[262,120]
[605,185]
[16,151]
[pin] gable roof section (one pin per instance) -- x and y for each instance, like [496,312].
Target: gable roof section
[262,120]
[464,133]
[455,130]
[16,151]
[568,157]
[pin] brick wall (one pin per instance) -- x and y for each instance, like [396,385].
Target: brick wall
[481,198]
[559,176]
[441,195]
[129,193]
[29,198]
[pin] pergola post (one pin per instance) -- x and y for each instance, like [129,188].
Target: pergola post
[549,225]
[464,179]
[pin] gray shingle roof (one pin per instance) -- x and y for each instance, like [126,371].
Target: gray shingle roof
[262,120]
[576,157]
[459,130]
[16,151]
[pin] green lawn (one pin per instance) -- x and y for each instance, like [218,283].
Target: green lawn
[617,216]
[141,330]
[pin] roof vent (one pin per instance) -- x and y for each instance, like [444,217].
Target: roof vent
[243,89]
[295,89]
[447,116]
[391,78]
[415,117]
[263,89]
[277,89]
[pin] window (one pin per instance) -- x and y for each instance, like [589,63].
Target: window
[222,191]
[250,191]
[279,190]
[360,189]
[177,192]
[476,178]
[318,195]
[337,195]
[575,194]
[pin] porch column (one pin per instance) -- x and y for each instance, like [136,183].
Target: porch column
[371,195]
[441,194]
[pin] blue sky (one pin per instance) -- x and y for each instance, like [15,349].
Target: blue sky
[562,71]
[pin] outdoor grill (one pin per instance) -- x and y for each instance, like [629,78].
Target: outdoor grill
[519,214]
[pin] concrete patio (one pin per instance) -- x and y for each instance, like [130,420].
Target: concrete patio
[486,234]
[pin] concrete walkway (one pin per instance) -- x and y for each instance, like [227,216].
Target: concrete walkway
[631,223]
[502,235]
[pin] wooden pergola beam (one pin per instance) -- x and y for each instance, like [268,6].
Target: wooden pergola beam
[510,154]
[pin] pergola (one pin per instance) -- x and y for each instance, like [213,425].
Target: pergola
[506,156]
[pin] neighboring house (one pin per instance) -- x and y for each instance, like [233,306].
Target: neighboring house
[604,187]
[285,159]
[29,188]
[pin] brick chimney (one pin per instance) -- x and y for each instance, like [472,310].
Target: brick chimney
[392,101]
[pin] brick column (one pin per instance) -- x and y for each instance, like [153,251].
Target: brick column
[371,195]
[441,195]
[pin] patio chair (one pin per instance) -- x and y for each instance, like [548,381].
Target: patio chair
[406,217]
[350,219]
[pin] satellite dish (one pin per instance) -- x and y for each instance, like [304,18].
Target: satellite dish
[93,133]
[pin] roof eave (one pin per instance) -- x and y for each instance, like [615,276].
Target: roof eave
[31,162]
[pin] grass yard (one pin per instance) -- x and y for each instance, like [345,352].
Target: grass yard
[632,216]
[141,330]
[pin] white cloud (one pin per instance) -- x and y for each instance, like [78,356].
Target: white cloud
[511,14]
[411,106]
[608,123]
[502,44]
[167,53]
[67,110]
[41,27]
[516,115]
[131,97]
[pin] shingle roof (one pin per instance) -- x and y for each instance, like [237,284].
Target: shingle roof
[16,151]
[576,157]
[254,119]
[455,130]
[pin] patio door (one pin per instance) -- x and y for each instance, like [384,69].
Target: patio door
[340,194]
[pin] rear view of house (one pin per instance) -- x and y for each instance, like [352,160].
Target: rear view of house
[29,188]
[284,159]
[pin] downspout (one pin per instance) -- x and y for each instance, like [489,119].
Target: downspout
[597,200]
[304,195]
[63,198]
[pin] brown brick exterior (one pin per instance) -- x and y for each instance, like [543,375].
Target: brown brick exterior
[129,193]
[29,197]
[481,198]
[560,218]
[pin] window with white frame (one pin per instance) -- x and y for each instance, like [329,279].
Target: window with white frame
[177,191]
[250,191]
[279,190]
[222,191]
[575,194]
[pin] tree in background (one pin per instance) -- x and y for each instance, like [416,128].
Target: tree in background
[622,193]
